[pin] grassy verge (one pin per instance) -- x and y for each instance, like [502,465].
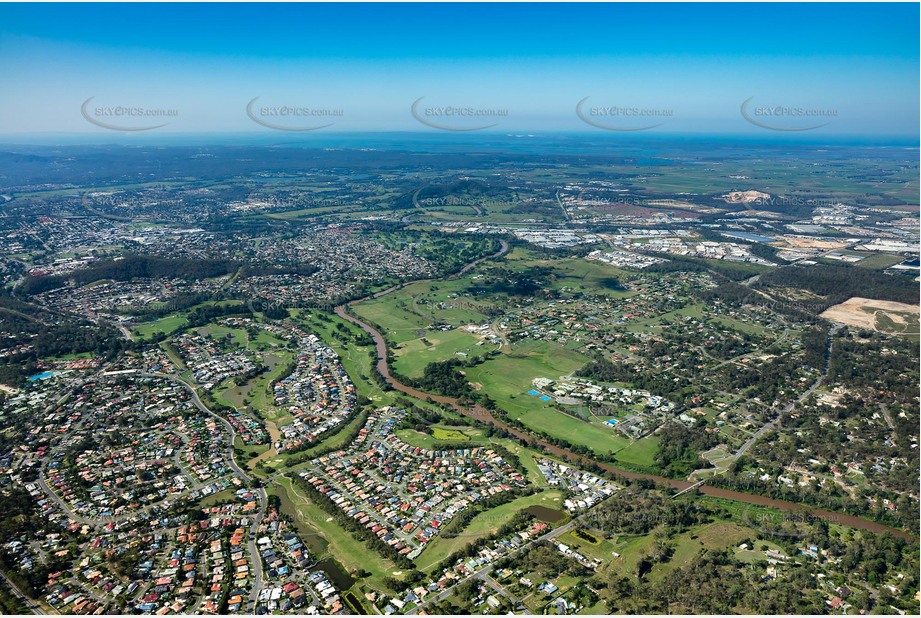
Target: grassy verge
[311,520]
[484,524]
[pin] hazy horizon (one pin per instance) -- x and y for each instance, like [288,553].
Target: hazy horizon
[485,139]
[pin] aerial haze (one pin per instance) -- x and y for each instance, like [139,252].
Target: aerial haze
[459,309]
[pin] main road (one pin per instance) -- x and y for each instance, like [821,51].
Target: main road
[255,556]
[29,603]
[483,415]
[231,433]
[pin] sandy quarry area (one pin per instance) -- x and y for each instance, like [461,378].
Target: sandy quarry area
[745,197]
[863,312]
[805,242]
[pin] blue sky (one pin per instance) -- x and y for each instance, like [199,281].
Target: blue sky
[684,67]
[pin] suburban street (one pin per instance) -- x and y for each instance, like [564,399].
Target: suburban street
[480,574]
[770,426]
[231,434]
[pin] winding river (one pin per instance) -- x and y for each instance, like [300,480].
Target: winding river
[483,415]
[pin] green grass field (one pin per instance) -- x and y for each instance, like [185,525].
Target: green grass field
[175,321]
[255,392]
[483,524]
[906,327]
[335,441]
[356,359]
[641,453]
[411,357]
[173,354]
[401,314]
[440,435]
[585,276]
[311,520]
[468,434]
[880,261]
[71,357]
[224,496]
[238,336]
[695,311]
[718,535]
[507,379]
[444,433]
[738,325]
[600,550]
[167,325]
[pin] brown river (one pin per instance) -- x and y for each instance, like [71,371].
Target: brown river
[483,415]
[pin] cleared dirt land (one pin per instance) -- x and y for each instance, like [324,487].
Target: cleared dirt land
[745,197]
[806,242]
[879,315]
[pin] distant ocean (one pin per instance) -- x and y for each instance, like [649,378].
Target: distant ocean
[596,142]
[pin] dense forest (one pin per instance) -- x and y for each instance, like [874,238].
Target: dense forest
[723,269]
[443,377]
[525,282]
[449,252]
[716,582]
[153,267]
[838,283]
[637,511]
[678,453]
[131,267]
[875,363]
[602,370]
[19,517]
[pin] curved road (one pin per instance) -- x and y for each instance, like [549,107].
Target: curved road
[483,415]
[231,433]
[768,427]
[231,462]
[255,556]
